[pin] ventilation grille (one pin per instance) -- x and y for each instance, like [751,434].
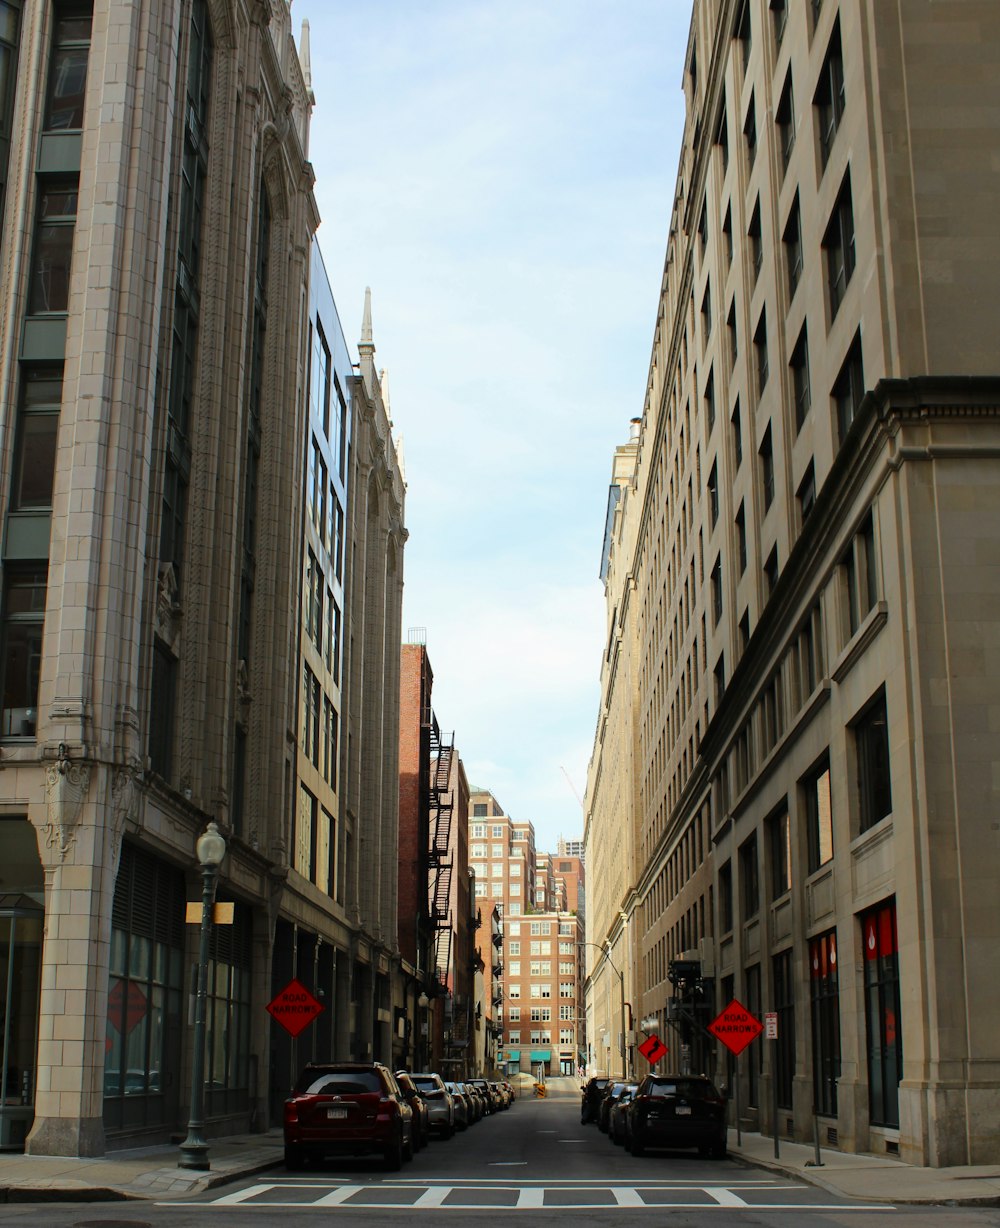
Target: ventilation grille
[831,1135]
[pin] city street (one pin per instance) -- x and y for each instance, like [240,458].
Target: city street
[536,1162]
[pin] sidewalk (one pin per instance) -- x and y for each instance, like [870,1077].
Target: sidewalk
[146,1172]
[872,1178]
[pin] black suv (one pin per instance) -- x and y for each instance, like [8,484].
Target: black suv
[593,1090]
[677,1111]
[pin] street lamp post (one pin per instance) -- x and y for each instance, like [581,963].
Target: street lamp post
[211,848]
[621,986]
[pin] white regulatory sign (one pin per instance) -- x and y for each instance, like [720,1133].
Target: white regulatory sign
[770,1025]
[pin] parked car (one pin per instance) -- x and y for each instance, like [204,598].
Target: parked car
[499,1095]
[461,1106]
[617,1114]
[421,1114]
[511,1093]
[347,1108]
[612,1093]
[480,1095]
[483,1088]
[592,1090]
[677,1111]
[439,1103]
[474,1101]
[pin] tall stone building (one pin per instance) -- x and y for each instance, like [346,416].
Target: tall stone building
[801,578]
[157,220]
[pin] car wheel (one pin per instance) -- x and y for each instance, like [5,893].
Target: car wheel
[295,1161]
[394,1156]
[408,1147]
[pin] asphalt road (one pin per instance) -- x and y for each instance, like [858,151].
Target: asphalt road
[534,1163]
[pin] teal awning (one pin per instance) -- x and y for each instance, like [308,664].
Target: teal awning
[512,1055]
[541,1055]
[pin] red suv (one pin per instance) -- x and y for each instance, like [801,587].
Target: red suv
[347,1108]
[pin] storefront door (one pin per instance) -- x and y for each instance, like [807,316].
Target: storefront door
[20,978]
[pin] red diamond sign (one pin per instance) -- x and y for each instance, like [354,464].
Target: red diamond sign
[652,1049]
[294,1008]
[127,1006]
[735,1027]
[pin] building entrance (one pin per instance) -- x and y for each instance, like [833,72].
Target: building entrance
[20,977]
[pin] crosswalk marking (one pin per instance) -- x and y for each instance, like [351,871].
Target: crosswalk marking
[336,1197]
[550,1196]
[725,1197]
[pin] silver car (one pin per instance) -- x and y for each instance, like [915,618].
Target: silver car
[439,1102]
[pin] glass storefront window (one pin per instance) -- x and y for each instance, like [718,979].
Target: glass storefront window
[20,978]
[882,1013]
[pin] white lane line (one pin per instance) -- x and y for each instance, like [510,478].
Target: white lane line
[232,1200]
[508,1164]
[627,1197]
[336,1197]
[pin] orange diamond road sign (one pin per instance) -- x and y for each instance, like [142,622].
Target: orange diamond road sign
[652,1049]
[735,1027]
[294,1008]
[127,1006]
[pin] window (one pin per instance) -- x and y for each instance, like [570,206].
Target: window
[726,898]
[713,495]
[792,241]
[498,831]
[780,837]
[706,313]
[722,139]
[567,989]
[741,539]
[734,348]
[750,134]
[710,401]
[883,1017]
[849,390]
[24,615]
[566,968]
[753,1001]
[784,118]
[514,1014]
[719,674]
[806,494]
[801,388]
[744,33]
[67,83]
[771,572]
[829,99]
[717,591]
[566,948]
[749,879]
[727,234]
[480,889]
[819,816]
[499,850]
[496,869]
[779,17]
[859,568]
[37,431]
[48,288]
[766,455]
[745,631]
[514,991]
[737,436]
[760,351]
[824,995]
[331,734]
[838,243]
[871,744]
[496,891]
[754,244]
[479,812]
[703,229]
[784,1047]
[310,715]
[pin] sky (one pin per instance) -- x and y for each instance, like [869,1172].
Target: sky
[501,175]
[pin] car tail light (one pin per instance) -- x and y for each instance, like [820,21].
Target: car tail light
[387,1109]
[291,1112]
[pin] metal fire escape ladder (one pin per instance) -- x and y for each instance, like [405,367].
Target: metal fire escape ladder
[440,811]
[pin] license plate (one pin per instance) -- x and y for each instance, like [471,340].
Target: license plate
[335,1113]
[683,1110]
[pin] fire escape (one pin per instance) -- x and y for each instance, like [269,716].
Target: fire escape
[440,807]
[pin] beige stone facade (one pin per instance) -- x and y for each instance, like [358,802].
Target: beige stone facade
[154,382]
[803,606]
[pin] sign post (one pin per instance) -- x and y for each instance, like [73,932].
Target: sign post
[735,1027]
[771,1033]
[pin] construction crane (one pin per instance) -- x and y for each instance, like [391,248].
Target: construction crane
[572,786]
